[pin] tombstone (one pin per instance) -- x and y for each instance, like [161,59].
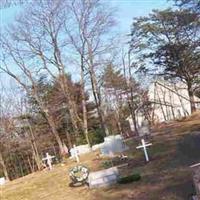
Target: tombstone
[48,159]
[81,149]
[103,178]
[113,144]
[196,179]
[2,181]
[144,145]
[144,129]
[97,146]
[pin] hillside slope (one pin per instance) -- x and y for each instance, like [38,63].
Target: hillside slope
[176,146]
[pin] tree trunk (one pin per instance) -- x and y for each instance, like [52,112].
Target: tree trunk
[118,116]
[65,86]
[54,131]
[30,165]
[134,119]
[69,141]
[131,103]
[34,148]
[97,97]
[119,126]
[96,93]
[191,97]
[50,121]
[2,163]
[84,108]
[71,105]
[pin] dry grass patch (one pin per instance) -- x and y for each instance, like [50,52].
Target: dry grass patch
[166,177]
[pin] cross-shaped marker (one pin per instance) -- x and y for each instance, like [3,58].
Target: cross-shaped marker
[76,153]
[144,145]
[49,160]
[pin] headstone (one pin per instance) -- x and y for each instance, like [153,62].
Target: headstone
[113,144]
[144,129]
[196,179]
[2,180]
[103,178]
[81,149]
[48,159]
[97,146]
[144,145]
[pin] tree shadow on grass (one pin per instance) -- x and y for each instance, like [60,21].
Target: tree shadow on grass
[188,150]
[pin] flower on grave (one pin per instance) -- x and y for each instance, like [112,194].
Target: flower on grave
[79,173]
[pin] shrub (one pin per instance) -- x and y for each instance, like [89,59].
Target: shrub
[96,136]
[129,179]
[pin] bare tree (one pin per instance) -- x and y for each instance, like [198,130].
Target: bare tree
[42,34]
[11,53]
[88,33]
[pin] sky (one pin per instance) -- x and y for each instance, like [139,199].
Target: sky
[126,11]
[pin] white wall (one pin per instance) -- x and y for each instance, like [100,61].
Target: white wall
[169,101]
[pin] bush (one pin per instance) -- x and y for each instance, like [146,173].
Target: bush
[129,179]
[96,136]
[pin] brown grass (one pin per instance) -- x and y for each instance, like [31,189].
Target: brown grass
[165,177]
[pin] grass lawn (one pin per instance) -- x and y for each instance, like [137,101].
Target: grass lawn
[175,147]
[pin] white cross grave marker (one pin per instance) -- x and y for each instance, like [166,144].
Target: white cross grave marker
[49,160]
[144,145]
[76,153]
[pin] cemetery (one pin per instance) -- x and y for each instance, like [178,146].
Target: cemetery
[168,171]
[99,99]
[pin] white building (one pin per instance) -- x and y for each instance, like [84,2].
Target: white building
[169,101]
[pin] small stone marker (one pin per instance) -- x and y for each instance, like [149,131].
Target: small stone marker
[49,160]
[144,145]
[2,181]
[103,178]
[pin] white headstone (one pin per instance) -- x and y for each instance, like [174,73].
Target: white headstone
[97,146]
[144,145]
[114,144]
[48,159]
[2,180]
[81,149]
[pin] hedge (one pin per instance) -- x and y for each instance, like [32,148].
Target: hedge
[129,179]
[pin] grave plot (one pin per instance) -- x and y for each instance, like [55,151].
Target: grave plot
[103,178]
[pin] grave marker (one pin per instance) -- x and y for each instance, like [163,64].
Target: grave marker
[144,145]
[103,178]
[2,180]
[76,154]
[49,158]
